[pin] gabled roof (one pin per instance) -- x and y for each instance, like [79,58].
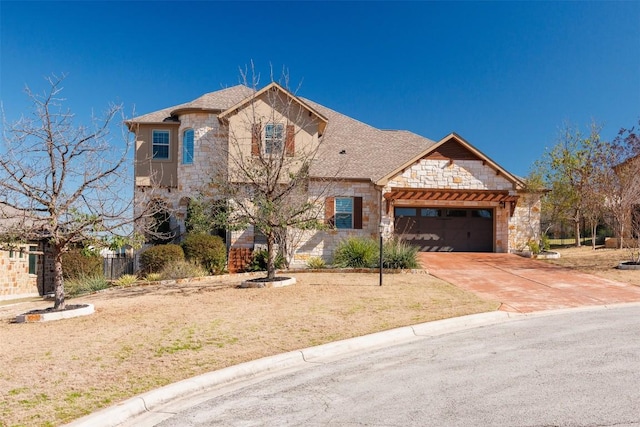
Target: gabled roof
[466,146]
[274,86]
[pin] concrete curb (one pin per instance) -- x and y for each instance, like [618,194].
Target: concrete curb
[156,399]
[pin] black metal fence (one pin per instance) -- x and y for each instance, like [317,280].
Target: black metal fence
[115,266]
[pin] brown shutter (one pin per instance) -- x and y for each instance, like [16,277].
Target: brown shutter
[329,211]
[357,213]
[255,139]
[290,140]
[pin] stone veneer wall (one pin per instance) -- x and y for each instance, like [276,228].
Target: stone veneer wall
[322,243]
[459,175]
[524,225]
[15,280]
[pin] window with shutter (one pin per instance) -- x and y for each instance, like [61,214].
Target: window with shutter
[273,138]
[347,212]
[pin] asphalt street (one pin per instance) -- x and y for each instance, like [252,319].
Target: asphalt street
[578,368]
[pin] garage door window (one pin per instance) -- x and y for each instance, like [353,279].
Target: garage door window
[405,212]
[430,213]
[482,213]
[456,213]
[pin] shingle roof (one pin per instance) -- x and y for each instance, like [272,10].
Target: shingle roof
[368,153]
[218,100]
[352,149]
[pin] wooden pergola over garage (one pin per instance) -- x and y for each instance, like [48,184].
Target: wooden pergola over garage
[449,195]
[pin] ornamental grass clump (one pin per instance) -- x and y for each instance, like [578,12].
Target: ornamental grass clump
[153,277]
[356,252]
[398,254]
[85,285]
[316,263]
[182,270]
[126,280]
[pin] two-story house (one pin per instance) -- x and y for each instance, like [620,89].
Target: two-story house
[443,195]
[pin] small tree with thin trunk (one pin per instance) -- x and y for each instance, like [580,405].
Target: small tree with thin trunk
[62,183]
[568,170]
[266,178]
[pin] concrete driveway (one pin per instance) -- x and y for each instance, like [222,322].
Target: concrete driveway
[524,285]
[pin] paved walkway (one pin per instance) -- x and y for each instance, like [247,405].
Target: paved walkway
[524,285]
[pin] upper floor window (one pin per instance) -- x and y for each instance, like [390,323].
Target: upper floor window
[187,147]
[273,138]
[160,144]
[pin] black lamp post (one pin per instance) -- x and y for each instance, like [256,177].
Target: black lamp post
[381,229]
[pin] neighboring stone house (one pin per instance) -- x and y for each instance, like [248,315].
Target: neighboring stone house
[441,195]
[25,268]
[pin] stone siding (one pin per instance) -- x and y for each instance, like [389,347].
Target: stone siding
[524,225]
[459,175]
[15,280]
[324,242]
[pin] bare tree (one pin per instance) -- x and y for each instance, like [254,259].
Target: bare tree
[267,179]
[621,181]
[60,182]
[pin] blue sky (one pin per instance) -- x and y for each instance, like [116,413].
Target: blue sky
[503,75]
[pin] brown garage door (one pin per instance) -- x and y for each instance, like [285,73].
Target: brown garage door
[450,229]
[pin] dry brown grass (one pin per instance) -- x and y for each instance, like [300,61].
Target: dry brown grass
[144,337]
[600,262]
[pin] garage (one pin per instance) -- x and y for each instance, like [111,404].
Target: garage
[450,229]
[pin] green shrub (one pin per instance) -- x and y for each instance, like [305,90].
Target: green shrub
[126,280]
[316,263]
[259,261]
[154,259]
[84,285]
[398,254]
[208,251]
[182,269]
[76,264]
[357,252]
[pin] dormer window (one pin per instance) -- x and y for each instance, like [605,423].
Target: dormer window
[273,138]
